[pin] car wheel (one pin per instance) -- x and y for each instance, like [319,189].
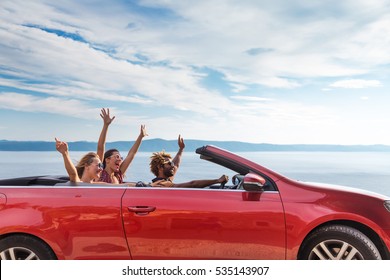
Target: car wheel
[338,242]
[24,247]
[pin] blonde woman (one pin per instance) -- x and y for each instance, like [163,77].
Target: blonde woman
[87,170]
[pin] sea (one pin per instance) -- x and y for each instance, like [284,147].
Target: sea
[364,170]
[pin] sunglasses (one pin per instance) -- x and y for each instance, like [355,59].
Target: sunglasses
[169,162]
[100,165]
[117,156]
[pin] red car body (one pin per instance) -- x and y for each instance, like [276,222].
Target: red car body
[270,218]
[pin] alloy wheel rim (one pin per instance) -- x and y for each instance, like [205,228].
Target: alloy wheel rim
[18,253]
[335,250]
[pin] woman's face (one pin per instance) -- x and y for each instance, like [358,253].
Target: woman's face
[94,169]
[114,162]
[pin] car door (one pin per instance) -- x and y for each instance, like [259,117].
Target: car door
[82,222]
[168,223]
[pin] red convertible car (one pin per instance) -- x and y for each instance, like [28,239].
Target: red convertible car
[259,215]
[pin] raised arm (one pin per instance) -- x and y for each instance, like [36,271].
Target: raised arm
[133,150]
[105,115]
[177,159]
[62,147]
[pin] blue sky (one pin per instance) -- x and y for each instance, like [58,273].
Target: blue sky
[283,72]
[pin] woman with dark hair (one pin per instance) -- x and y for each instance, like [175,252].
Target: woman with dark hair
[114,165]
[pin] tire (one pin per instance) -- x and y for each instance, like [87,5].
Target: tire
[338,242]
[25,247]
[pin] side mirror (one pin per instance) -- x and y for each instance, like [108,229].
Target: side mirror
[253,182]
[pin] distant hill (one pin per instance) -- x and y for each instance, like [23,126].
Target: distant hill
[153,145]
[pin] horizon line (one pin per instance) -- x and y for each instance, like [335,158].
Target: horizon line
[201,140]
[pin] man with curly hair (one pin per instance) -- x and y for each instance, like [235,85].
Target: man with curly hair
[159,159]
[164,168]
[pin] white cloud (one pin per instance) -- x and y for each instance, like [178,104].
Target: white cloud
[29,103]
[215,34]
[74,69]
[356,83]
[79,90]
[251,98]
[238,87]
[203,33]
[309,46]
[152,62]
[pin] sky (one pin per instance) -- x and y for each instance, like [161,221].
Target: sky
[280,72]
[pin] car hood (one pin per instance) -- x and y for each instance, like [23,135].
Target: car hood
[345,189]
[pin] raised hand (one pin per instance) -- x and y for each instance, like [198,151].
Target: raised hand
[143,132]
[180,142]
[105,115]
[61,146]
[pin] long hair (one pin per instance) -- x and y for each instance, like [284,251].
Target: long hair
[158,159]
[107,154]
[85,161]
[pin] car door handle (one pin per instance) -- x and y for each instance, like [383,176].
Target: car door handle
[141,210]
